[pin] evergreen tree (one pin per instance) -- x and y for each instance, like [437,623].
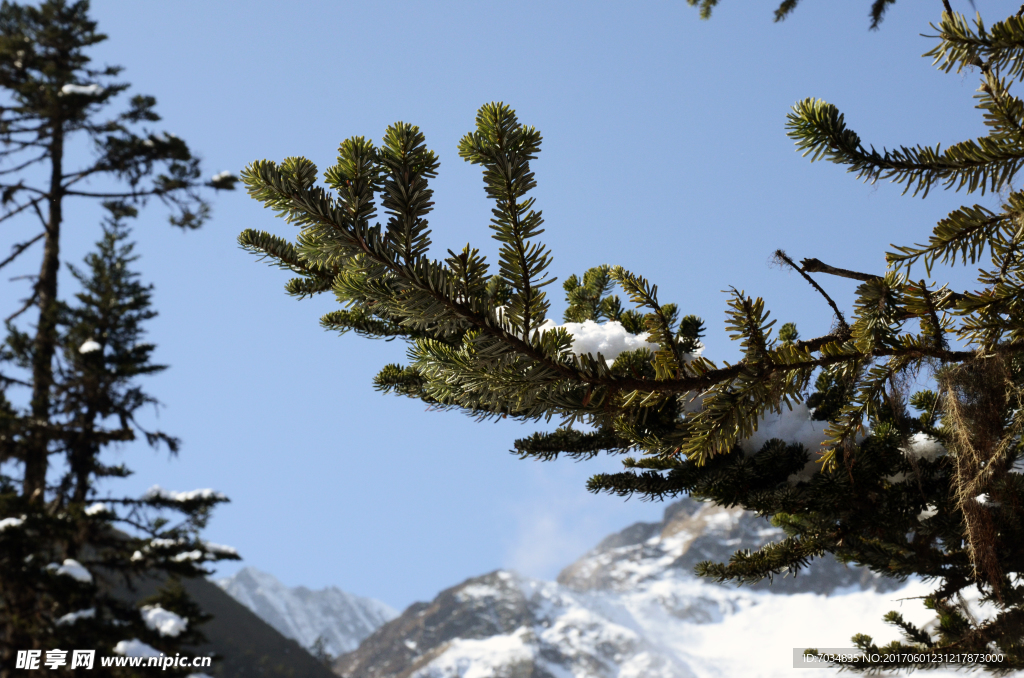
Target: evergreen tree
[320,653]
[65,568]
[54,98]
[67,387]
[925,484]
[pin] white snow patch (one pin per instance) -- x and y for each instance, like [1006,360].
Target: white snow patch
[73,569]
[72,617]
[98,507]
[929,511]
[157,492]
[484,658]
[220,549]
[342,620]
[11,522]
[791,426]
[89,346]
[608,339]
[221,176]
[92,89]
[162,137]
[923,446]
[165,622]
[188,555]
[810,620]
[135,648]
[478,591]
[985,500]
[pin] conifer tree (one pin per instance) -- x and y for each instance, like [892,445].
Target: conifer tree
[65,570]
[924,484]
[67,384]
[54,98]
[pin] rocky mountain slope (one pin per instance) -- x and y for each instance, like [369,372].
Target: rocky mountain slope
[341,619]
[692,532]
[245,645]
[632,607]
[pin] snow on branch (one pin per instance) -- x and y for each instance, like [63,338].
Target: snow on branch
[135,648]
[11,522]
[71,568]
[205,494]
[165,622]
[72,617]
[89,90]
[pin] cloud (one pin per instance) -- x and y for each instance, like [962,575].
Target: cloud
[553,527]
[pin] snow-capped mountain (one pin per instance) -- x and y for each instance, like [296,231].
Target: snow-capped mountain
[340,618]
[632,608]
[692,532]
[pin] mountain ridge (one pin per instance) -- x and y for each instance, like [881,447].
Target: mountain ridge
[631,608]
[338,618]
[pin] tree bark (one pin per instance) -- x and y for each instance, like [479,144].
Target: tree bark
[45,343]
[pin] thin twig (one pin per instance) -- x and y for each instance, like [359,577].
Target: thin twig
[18,249]
[816,266]
[782,256]
[815,344]
[12,380]
[1010,256]
[12,170]
[21,208]
[27,305]
[949,10]
[133,194]
[21,187]
[39,213]
[933,316]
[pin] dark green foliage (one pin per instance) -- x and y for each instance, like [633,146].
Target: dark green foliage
[46,73]
[73,404]
[570,443]
[51,97]
[786,7]
[906,484]
[101,354]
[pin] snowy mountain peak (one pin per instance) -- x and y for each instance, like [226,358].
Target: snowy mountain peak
[340,618]
[502,624]
[629,608]
[632,607]
[692,532]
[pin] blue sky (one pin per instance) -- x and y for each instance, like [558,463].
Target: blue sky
[664,151]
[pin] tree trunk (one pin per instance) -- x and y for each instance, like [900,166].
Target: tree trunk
[37,452]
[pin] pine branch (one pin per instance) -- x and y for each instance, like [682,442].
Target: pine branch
[571,443]
[771,560]
[1001,47]
[813,265]
[816,266]
[878,8]
[26,305]
[983,164]
[21,208]
[21,247]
